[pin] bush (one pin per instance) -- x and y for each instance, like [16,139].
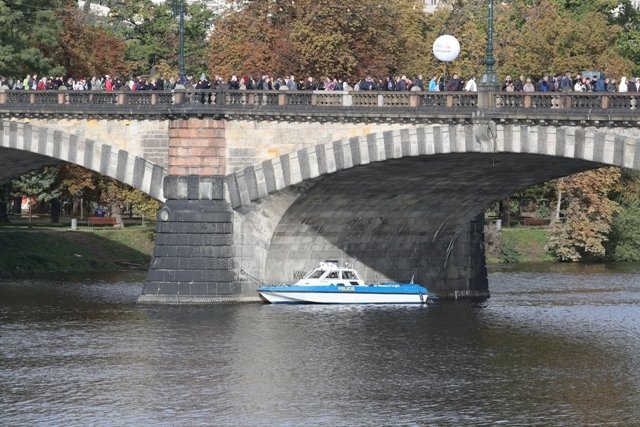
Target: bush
[624,238]
[500,246]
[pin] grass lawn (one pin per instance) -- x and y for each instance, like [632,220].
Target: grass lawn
[48,248]
[529,244]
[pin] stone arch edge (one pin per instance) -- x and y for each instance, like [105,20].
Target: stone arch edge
[605,147]
[118,164]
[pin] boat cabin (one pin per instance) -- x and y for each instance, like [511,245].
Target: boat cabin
[329,272]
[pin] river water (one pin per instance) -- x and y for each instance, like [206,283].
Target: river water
[553,345]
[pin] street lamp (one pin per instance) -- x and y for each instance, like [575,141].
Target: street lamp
[489,77]
[178,9]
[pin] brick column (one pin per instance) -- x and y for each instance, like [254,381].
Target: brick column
[197,147]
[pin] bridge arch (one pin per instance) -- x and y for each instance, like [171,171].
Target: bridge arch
[398,201]
[35,146]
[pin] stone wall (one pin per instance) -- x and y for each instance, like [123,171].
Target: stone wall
[148,139]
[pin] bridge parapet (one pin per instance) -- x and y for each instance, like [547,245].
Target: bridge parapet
[610,109]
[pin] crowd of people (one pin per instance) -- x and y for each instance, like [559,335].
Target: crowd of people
[594,82]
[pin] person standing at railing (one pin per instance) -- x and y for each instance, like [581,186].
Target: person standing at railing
[543,85]
[234,84]
[455,84]
[528,86]
[471,85]
[507,85]
[565,83]
[418,82]
[518,85]
[600,85]
[622,87]
[433,84]
[108,83]
[291,82]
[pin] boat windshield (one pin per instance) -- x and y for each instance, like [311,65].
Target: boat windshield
[315,274]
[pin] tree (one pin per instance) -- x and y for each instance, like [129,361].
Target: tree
[37,186]
[29,30]
[624,239]
[150,32]
[76,182]
[587,214]
[89,50]
[4,218]
[320,38]
[550,39]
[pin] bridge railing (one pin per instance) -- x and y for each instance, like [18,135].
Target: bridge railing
[318,100]
[244,98]
[567,100]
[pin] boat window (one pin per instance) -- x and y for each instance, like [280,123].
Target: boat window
[332,275]
[349,275]
[316,274]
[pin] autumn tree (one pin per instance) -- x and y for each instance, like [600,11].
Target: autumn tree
[318,38]
[551,40]
[587,214]
[77,182]
[531,38]
[87,49]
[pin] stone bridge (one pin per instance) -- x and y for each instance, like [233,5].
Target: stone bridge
[259,186]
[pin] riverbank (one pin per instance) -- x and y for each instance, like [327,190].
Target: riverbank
[46,248]
[56,249]
[517,244]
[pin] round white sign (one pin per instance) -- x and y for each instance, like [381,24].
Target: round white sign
[446,48]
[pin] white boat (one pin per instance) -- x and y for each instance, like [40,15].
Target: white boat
[331,284]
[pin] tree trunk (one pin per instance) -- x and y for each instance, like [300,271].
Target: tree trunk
[4,218]
[556,216]
[116,212]
[55,211]
[504,212]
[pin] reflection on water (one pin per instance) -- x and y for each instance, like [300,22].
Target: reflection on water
[552,346]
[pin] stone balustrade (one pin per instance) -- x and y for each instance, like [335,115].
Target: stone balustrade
[594,108]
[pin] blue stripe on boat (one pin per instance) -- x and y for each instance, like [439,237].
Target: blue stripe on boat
[394,288]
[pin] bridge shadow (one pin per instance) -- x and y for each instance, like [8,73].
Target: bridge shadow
[50,249]
[400,218]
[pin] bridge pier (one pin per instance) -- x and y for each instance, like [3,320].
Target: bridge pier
[193,260]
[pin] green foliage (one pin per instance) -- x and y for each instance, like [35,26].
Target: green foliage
[37,184]
[29,35]
[151,33]
[624,238]
[508,249]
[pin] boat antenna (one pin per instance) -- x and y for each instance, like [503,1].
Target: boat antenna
[412,278]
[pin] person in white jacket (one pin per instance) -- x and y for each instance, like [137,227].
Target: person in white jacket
[471,85]
[622,87]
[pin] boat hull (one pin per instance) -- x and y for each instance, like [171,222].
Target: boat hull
[376,294]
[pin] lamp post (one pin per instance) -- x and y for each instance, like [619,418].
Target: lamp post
[181,32]
[178,10]
[489,83]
